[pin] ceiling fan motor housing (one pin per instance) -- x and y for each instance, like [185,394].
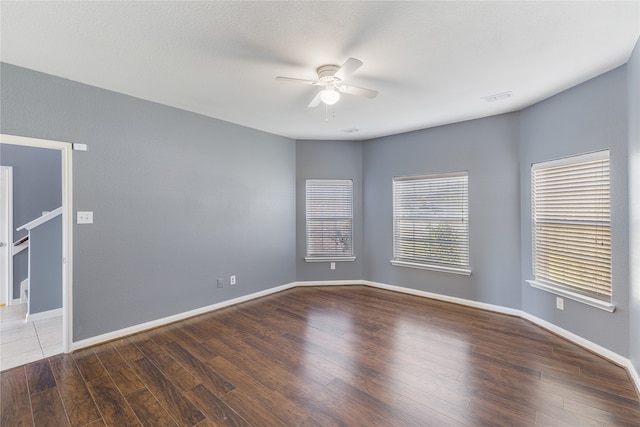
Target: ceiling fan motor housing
[326,75]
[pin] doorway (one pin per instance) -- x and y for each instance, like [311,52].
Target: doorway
[66,159]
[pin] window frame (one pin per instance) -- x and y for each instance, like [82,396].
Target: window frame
[328,257]
[406,261]
[556,287]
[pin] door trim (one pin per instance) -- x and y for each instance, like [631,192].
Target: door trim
[66,156]
[8,292]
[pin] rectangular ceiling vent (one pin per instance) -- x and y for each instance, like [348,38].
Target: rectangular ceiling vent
[350,130]
[497,96]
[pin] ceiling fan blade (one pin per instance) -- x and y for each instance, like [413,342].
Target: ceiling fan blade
[292,80]
[358,91]
[347,68]
[315,101]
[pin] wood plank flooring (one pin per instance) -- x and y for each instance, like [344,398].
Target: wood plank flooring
[327,356]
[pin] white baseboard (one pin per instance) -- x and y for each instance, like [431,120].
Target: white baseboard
[44,315]
[329,283]
[24,291]
[446,298]
[109,336]
[591,346]
[570,336]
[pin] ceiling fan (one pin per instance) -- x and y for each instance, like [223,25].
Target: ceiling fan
[331,78]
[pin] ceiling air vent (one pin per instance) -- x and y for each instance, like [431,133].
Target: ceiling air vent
[350,130]
[497,97]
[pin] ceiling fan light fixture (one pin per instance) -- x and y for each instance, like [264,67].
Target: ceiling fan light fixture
[330,96]
[330,80]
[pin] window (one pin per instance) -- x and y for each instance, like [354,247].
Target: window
[571,225]
[329,220]
[431,222]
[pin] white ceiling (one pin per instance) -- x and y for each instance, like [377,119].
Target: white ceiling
[432,62]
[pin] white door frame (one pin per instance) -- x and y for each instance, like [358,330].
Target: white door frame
[6,282]
[66,157]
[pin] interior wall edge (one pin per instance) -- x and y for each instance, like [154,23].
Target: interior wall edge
[633,110]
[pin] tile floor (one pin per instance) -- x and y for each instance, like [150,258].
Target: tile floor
[23,342]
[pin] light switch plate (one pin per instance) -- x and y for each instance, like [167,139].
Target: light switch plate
[84,217]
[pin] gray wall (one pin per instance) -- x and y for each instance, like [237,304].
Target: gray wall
[488,149]
[329,160]
[179,200]
[37,187]
[589,117]
[633,81]
[45,266]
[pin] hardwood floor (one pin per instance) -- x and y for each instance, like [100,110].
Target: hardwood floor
[327,356]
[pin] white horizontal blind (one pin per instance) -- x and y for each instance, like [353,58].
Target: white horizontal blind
[431,220]
[329,218]
[572,224]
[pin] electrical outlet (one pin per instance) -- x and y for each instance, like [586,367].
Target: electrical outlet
[221,283]
[84,217]
[333,265]
[232,280]
[559,303]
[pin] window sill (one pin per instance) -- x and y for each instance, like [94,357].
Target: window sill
[441,268]
[329,259]
[593,302]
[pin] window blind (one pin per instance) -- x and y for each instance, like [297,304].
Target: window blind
[329,218]
[572,224]
[431,220]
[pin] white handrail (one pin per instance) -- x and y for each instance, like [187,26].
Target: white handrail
[19,248]
[41,220]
